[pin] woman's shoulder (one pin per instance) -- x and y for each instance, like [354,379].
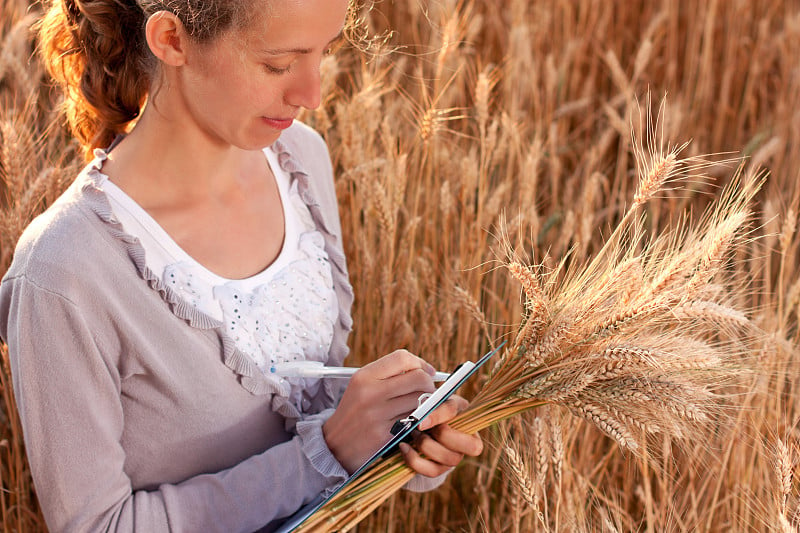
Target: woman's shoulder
[302,149]
[65,239]
[303,139]
[307,148]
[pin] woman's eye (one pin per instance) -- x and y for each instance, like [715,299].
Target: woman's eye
[276,70]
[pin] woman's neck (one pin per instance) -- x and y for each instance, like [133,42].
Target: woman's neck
[220,204]
[162,161]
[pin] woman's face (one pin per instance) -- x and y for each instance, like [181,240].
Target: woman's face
[246,86]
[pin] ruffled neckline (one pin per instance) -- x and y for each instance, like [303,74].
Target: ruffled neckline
[249,375]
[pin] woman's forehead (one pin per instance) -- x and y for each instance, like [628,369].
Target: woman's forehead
[281,21]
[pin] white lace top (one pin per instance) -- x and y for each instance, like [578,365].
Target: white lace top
[284,313]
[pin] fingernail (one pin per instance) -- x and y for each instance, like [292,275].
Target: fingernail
[404,447]
[425,424]
[429,369]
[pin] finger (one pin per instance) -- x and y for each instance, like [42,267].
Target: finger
[419,464]
[399,407]
[434,451]
[445,412]
[415,381]
[395,363]
[399,362]
[457,441]
[391,410]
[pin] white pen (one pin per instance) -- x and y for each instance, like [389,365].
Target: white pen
[316,369]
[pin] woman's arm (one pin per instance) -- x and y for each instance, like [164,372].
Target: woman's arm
[68,396]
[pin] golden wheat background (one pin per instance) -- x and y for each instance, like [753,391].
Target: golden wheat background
[482,119]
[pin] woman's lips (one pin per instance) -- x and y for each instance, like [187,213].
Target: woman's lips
[278,123]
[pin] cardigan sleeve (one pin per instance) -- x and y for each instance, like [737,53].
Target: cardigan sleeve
[68,397]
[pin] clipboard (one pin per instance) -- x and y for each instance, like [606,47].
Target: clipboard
[401,431]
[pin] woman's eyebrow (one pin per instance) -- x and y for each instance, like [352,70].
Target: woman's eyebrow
[281,51]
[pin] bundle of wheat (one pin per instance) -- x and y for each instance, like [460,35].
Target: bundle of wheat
[640,341]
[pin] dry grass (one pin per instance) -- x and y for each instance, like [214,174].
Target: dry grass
[521,112]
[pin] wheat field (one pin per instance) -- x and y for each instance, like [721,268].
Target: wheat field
[457,127]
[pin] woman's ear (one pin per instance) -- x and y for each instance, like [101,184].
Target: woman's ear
[167,38]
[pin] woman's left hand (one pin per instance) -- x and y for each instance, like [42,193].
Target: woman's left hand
[439,447]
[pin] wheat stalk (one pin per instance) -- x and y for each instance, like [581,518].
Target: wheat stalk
[521,476]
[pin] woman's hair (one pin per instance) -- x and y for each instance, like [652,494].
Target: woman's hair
[97,52]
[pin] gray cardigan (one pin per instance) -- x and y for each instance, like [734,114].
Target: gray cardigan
[138,413]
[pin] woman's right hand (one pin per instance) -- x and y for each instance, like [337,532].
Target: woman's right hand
[378,394]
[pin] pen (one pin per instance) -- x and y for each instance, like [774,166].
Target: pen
[316,369]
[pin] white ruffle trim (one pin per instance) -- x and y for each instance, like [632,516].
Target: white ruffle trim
[288,318]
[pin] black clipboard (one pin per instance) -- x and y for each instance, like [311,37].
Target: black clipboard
[401,431]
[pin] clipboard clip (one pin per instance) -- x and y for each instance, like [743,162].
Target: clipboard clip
[429,402]
[404,423]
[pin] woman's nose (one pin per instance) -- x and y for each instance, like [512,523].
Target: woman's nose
[306,88]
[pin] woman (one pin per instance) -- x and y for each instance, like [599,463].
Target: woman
[199,249]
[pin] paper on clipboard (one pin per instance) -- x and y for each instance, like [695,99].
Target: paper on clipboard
[401,430]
